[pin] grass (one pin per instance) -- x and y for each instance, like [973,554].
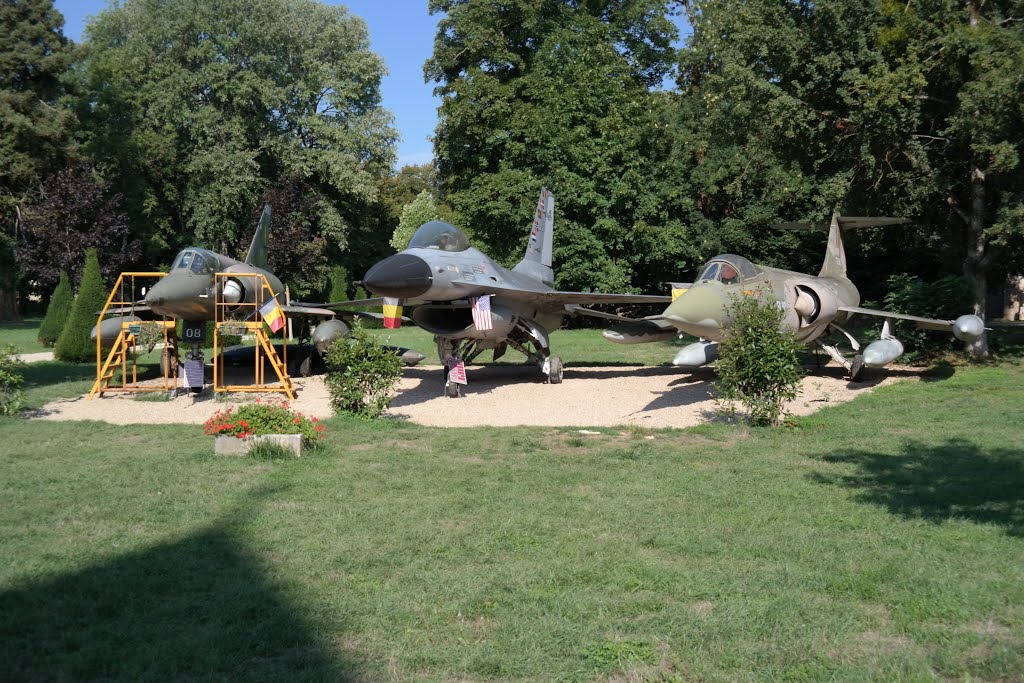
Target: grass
[23,335]
[882,539]
[576,347]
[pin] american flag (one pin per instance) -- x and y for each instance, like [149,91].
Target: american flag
[481,311]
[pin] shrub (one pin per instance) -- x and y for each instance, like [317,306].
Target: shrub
[339,284]
[265,416]
[947,298]
[361,375]
[11,380]
[757,361]
[57,312]
[73,344]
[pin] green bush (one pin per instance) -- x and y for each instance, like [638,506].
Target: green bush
[11,379]
[758,364]
[265,416]
[947,298]
[339,284]
[57,312]
[73,344]
[361,375]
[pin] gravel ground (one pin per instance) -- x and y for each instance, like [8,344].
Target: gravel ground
[502,395]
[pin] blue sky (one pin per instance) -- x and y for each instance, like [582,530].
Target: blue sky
[401,32]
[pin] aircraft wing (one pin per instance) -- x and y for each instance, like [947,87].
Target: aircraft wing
[306,311]
[354,303]
[556,298]
[923,323]
[576,309]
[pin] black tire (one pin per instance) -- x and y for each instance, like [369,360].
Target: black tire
[857,368]
[554,370]
[451,390]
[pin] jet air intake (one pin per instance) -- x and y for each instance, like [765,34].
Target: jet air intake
[402,276]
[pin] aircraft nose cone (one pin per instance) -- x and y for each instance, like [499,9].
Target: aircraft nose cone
[699,307]
[402,276]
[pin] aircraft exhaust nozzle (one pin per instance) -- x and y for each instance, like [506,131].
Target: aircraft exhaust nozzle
[233,292]
[968,327]
[696,354]
[402,276]
[882,352]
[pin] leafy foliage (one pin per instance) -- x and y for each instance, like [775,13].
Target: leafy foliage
[33,132]
[362,375]
[11,379]
[414,214]
[340,284]
[946,298]
[265,416]
[556,93]
[198,107]
[57,312]
[77,212]
[757,361]
[73,344]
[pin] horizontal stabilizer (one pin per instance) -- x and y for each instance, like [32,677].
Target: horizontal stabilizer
[845,222]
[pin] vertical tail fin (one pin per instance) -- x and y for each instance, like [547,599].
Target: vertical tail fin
[257,255]
[835,254]
[537,260]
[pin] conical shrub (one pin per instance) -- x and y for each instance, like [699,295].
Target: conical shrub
[74,345]
[57,312]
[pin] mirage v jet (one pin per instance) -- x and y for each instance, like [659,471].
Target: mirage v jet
[814,306]
[472,304]
[189,292]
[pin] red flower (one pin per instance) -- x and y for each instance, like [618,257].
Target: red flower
[313,419]
[297,420]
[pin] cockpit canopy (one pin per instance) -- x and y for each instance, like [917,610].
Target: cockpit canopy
[439,235]
[199,261]
[728,269]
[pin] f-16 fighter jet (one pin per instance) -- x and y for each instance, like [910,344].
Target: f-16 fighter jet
[815,306]
[470,303]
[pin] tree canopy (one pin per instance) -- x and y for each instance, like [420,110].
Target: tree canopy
[198,107]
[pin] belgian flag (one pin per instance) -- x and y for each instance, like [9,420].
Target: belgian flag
[392,313]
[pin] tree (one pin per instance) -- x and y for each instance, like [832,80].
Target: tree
[57,312]
[340,284]
[74,345]
[417,212]
[557,93]
[75,212]
[397,190]
[33,131]
[196,108]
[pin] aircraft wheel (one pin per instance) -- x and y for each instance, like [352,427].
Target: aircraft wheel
[451,390]
[857,369]
[302,364]
[554,370]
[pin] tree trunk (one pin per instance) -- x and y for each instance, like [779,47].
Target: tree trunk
[976,263]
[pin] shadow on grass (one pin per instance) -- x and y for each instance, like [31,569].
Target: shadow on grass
[955,480]
[198,608]
[45,373]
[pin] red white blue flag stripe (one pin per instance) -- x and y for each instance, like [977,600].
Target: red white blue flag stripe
[481,311]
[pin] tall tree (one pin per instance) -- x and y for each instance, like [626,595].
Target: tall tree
[33,132]
[555,93]
[75,211]
[73,344]
[196,107]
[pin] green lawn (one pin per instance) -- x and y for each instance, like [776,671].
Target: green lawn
[882,539]
[22,335]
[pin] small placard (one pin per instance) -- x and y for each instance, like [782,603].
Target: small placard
[135,329]
[194,374]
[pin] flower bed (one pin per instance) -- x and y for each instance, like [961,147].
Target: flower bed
[264,417]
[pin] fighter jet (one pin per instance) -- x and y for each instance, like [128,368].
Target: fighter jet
[815,306]
[471,304]
[188,292]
